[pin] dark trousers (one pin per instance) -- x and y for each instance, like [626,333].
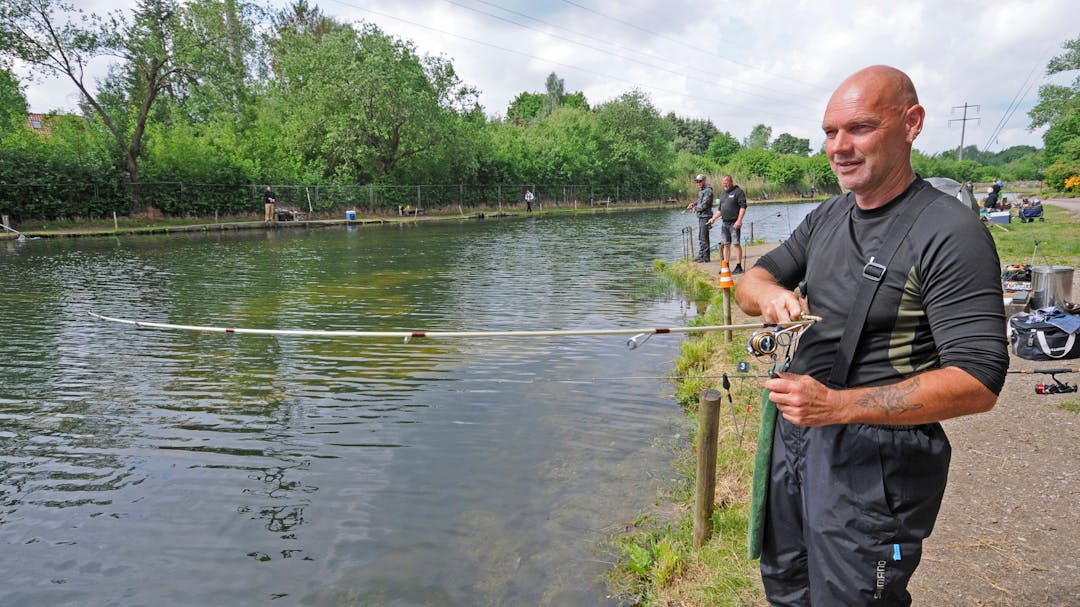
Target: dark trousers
[848,509]
[703,238]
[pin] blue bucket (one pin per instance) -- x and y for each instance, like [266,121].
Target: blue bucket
[350,215]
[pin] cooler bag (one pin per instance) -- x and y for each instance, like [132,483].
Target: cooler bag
[1035,339]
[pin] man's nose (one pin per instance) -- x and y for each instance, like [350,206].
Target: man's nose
[840,142]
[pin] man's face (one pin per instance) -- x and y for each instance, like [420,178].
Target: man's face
[701,184]
[728,183]
[868,136]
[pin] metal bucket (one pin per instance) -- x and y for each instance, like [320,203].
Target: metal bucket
[1050,286]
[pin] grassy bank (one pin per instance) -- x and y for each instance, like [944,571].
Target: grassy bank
[658,565]
[79,227]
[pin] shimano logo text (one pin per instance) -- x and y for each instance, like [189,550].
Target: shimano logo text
[879,585]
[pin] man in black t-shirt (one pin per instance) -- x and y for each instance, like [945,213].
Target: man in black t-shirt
[731,213]
[858,470]
[269,199]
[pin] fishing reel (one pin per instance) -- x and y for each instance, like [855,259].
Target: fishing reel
[1058,387]
[763,342]
[770,340]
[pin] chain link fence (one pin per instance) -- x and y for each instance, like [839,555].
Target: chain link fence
[176,198]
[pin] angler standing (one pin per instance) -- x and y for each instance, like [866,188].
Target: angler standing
[703,209]
[731,212]
[269,199]
[859,461]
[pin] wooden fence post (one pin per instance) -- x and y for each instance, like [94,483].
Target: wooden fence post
[708,430]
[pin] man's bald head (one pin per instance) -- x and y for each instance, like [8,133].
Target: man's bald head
[870,124]
[886,83]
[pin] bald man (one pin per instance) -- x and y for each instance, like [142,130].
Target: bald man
[859,460]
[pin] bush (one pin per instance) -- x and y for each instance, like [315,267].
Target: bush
[1056,174]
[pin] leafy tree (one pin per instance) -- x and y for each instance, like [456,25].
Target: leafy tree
[147,44]
[692,134]
[219,40]
[637,141]
[525,107]
[360,102]
[785,170]
[556,93]
[576,100]
[722,147]
[787,143]
[572,142]
[1059,108]
[819,173]
[12,102]
[753,161]
[758,139]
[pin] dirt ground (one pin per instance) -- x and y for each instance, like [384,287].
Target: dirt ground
[1009,530]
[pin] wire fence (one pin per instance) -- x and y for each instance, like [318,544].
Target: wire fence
[177,198]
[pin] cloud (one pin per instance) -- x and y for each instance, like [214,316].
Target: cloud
[762,61]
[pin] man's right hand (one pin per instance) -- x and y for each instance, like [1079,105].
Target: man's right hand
[758,293]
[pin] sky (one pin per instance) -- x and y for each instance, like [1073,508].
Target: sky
[738,64]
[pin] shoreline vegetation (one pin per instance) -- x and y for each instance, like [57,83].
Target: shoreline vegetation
[155,223]
[656,563]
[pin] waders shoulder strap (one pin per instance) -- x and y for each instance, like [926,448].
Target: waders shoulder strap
[873,273]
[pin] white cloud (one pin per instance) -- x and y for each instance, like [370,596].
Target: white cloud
[761,61]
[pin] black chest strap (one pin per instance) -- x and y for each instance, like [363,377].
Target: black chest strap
[873,273]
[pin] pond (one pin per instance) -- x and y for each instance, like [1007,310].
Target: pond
[146,467]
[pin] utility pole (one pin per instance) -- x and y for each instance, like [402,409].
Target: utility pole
[963,124]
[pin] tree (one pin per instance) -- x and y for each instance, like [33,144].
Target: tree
[556,94]
[692,134]
[758,139]
[525,107]
[360,102]
[30,31]
[1059,109]
[786,143]
[722,147]
[637,141]
[753,161]
[819,173]
[786,170]
[12,102]
[219,39]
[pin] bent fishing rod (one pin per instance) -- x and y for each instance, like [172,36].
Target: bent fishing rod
[640,336]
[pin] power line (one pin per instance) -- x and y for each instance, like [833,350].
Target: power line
[690,46]
[1013,105]
[558,63]
[733,84]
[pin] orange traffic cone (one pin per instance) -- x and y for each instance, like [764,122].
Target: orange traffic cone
[726,281]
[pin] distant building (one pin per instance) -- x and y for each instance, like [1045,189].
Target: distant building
[39,123]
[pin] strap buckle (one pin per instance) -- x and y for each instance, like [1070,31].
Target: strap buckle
[873,271]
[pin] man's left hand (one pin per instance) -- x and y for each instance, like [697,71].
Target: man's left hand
[802,400]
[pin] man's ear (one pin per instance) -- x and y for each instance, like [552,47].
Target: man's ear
[913,121]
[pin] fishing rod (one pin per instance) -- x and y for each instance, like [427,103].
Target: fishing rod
[22,236]
[1058,387]
[640,336]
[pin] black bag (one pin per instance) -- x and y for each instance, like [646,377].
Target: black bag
[1039,340]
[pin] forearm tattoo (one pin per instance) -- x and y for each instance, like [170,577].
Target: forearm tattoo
[891,399]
